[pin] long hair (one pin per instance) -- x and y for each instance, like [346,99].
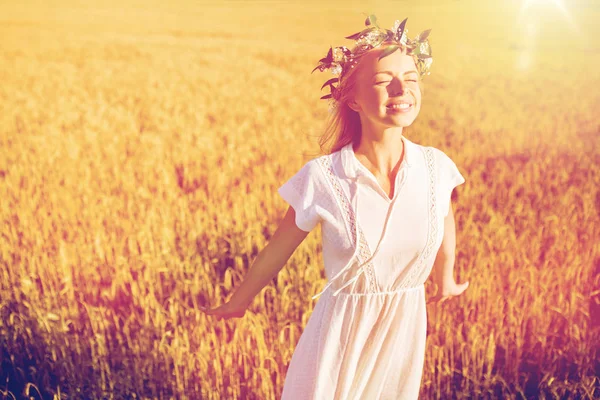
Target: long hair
[343,125]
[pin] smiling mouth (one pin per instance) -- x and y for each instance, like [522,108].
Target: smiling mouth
[400,107]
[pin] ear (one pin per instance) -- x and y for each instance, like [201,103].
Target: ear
[353,105]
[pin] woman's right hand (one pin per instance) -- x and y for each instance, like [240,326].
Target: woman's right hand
[227,310]
[265,267]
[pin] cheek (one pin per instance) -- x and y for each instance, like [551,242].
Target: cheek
[381,94]
[374,92]
[418,95]
[373,97]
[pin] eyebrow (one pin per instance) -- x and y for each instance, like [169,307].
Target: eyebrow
[391,73]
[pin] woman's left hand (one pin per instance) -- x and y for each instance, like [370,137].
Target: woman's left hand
[448,290]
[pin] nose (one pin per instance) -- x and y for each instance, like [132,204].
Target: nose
[397,87]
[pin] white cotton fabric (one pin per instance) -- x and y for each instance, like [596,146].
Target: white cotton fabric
[366,336]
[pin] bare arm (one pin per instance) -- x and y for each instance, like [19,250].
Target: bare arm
[267,264]
[443,266]
[271,259]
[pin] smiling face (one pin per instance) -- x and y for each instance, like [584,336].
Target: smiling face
[380,83]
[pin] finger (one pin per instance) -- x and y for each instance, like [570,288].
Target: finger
[436,299]
[210,311]
[432,299]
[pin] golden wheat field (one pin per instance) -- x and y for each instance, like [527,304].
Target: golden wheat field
[142,146]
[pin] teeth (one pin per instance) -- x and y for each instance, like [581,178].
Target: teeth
[401,105]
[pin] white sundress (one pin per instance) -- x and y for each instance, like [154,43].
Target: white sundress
[365,338]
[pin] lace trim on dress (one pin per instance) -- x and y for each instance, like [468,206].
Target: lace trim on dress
[414,273]
[350,218]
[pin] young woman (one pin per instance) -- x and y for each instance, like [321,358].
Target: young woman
[384,206]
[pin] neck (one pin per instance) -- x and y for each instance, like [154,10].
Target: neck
[381,154]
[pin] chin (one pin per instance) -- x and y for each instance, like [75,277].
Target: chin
[406,118]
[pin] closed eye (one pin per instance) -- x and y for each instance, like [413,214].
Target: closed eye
[410,80]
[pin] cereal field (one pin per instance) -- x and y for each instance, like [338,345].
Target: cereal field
[142,144]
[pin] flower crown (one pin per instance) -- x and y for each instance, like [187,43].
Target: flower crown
[340,59]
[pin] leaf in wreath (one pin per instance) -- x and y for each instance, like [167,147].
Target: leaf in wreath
[400,30]
[354,35]
[371,20]
[319,67]
[388,50]
[330,82]
[423,56]
[423,35]
[330,53]
[324,59]
[359,34]
[389,35]
[327,96]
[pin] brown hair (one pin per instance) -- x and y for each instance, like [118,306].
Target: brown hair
[343,125]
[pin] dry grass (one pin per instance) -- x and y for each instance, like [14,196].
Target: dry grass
[142,145]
